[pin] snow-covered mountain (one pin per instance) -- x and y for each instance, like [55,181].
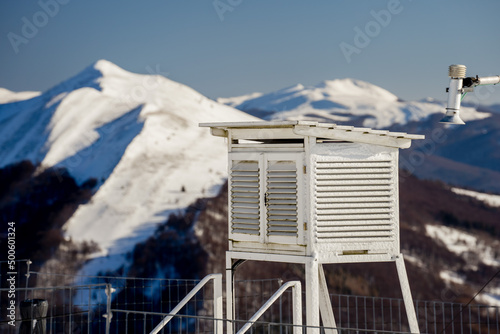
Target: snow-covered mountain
[464,156]
[138,135]
[345,101]
[8,96]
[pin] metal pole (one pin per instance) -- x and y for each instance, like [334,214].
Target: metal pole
[218,305]
[297,307]
[108,290]
[229,294]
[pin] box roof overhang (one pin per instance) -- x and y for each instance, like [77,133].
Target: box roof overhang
[321,130]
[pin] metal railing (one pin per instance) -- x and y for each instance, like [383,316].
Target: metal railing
[185,324]
[296,304]
[217,278]
[143,303]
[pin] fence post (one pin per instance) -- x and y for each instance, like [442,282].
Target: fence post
[28,263]
[108,290]
[33,313]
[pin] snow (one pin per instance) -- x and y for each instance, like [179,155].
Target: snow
[451,277]
[138,135]
[491,298]
[342,100]
[491,200]
[235,101]
[414,260]
[8,96]
[465,244]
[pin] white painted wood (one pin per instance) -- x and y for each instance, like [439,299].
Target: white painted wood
[265,197]
[218,132]
[272,248]
[312,295]
[315,128]
[284,186]
[355,191]
[325,304]
[268,257]
[265,134]
[258,124]
[245,199]
[313,193]
[330,257]
[407,298]
[368,138]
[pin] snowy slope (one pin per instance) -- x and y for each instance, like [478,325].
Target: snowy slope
[138,135]
[491,200]
[341,101]
[8,96]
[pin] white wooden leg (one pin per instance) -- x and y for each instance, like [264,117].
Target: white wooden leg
[312,295]
[325,304]
[405,289]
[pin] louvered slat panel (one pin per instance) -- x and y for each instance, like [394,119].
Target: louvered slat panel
[378,198]
[355,201]
[325,195]
[245,209]
[344,228]
[352,164]
[281,198]
[347,204]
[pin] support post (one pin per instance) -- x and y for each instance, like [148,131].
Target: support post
[405,289]
[218,305]
[312,295]
[229,294]
[325,304]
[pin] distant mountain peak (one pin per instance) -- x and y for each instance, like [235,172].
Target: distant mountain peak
[8,96]
[343,101]
[136,134]
[293,88]
[348,86]
[108,68]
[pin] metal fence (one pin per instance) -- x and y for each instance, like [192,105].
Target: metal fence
[139,304]
[71,309]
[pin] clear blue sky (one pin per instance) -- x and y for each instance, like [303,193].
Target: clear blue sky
[253,45]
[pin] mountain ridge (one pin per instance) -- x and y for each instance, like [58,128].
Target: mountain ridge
[465,156]
[343,101]
[137,135]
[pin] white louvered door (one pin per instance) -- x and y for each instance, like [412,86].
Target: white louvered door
[356,202]
[245,196]
[284,183]
[264,197]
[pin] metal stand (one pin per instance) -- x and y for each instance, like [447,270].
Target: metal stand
[318,303]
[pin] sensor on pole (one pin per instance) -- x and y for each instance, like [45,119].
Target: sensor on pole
[457,74]
[459,86]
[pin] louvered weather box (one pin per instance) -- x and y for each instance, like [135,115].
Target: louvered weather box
[313,193]
[300,187]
